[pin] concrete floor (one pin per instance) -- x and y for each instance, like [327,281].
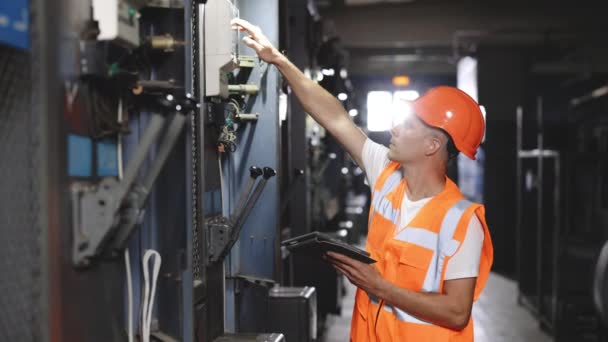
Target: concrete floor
[496,314]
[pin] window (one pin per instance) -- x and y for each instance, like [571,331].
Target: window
[385,108]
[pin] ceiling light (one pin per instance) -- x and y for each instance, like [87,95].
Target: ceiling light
[328,72]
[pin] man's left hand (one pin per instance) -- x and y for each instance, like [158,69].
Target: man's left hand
[364,276]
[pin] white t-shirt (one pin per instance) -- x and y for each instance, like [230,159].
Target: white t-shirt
[463,264]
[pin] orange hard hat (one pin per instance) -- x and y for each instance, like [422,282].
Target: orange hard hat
[455,112]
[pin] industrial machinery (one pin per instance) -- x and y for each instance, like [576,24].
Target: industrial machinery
[293,310]
[224,231]
[538,180]
[561,215]
[148,123]
[106,214]
[118,21]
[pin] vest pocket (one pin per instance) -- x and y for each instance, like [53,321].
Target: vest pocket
[361,303]
[359,328]
[412,265]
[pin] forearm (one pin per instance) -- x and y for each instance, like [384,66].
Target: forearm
[315,100]
[437,308]
[319,103]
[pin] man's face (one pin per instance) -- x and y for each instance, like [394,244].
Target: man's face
[408,140]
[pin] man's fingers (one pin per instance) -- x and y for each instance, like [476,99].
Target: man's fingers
[247,26]
[341,270]
[343,259]
[348,269]
[347,273]
[241,22]
[337,256]
[252,44]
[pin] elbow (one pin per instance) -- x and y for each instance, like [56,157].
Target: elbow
[460,320]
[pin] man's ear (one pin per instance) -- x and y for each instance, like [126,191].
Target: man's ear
[433,144]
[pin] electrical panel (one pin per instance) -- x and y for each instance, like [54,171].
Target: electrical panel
[118,21]
[220,45]
[14,23]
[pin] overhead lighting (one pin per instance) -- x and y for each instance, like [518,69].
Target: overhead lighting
[343,73]
[485,126]
[348,84]
[346,224]
[342,97]
[283,104]
[379,110]
[319,77]
[406,95]
[328,72]
[401,81]
[353,112]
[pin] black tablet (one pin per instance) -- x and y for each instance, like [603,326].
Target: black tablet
[317,244]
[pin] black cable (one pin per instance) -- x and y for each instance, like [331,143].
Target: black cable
[102,111]
[380,305]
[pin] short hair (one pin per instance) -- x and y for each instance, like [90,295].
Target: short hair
[452,150]
[450,146]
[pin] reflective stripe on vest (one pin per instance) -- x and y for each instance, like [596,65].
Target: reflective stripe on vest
[442,244]
[391,182]
[386,208]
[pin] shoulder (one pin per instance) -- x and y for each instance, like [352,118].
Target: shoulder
[475,229]
[374,159]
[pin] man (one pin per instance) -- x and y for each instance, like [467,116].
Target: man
[432,247]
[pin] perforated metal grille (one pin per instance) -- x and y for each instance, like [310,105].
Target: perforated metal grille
[19,251]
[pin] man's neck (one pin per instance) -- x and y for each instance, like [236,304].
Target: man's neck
[423,181]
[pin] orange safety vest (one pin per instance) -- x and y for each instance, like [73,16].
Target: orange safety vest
[415,258]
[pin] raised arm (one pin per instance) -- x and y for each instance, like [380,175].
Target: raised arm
[320,104]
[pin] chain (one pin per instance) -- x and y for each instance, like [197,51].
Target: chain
[194,142]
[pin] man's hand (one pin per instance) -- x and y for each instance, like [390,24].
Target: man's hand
[257,41]
[364,276]
[450,309]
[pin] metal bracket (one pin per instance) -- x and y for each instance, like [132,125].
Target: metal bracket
[108,213]
[264,282]
[247,61]
[219,232]
[223,232]
[243,89]
[241,117]
[93,217]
